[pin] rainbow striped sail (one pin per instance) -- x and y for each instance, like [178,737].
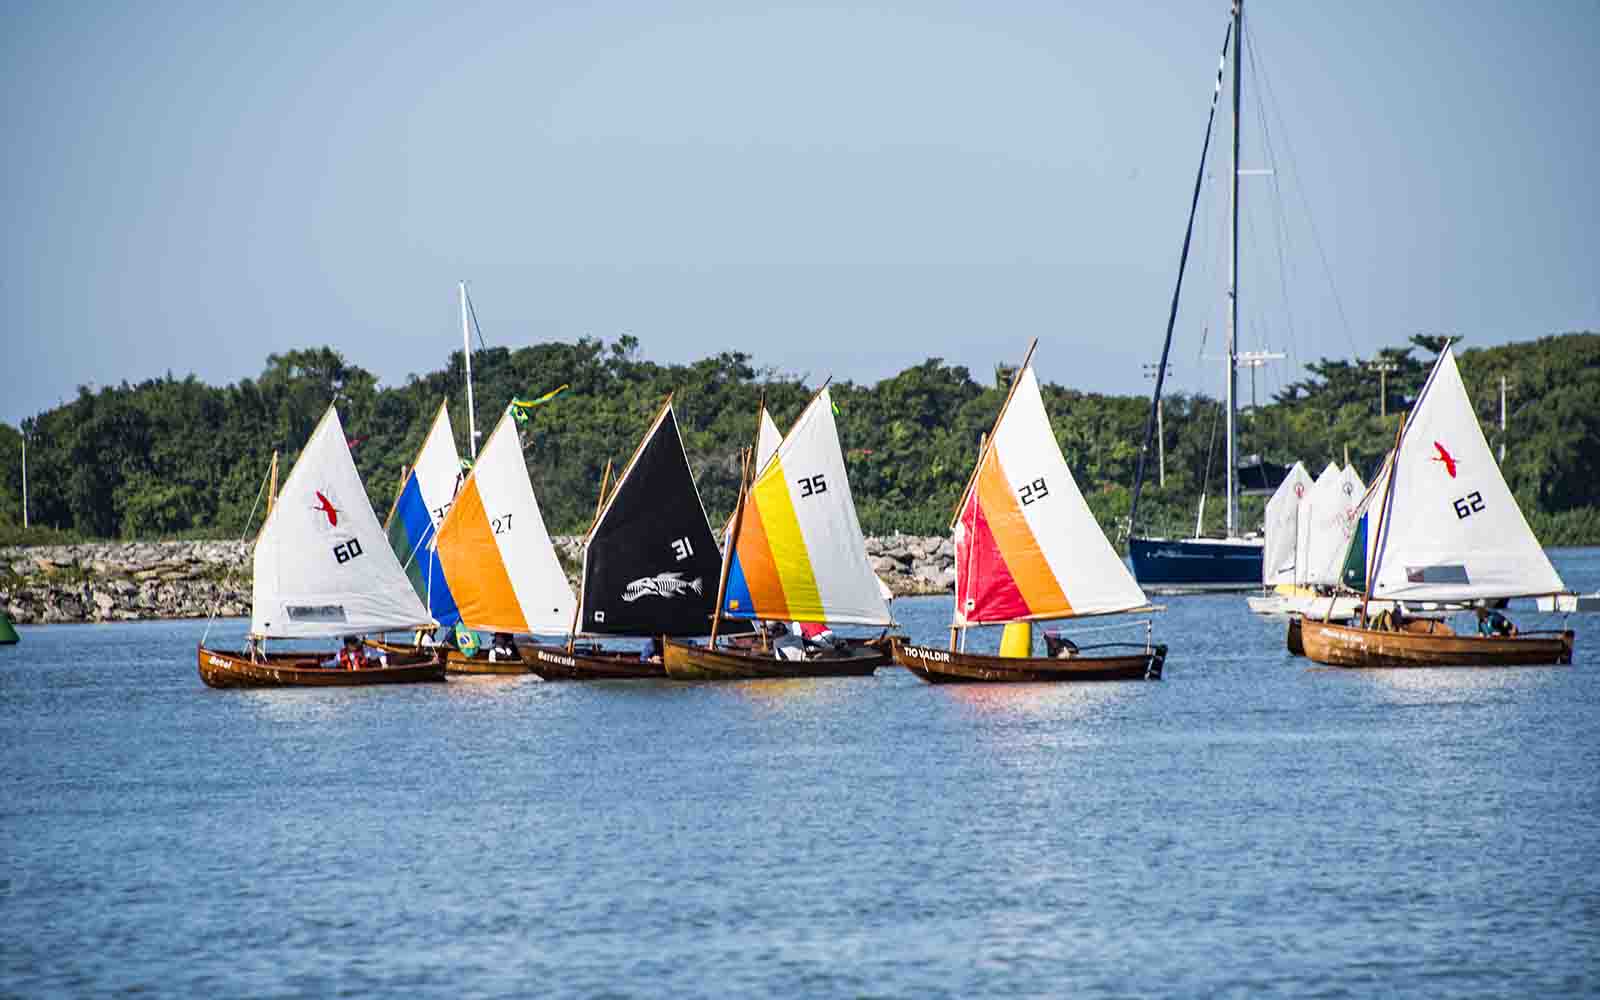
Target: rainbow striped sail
[419,510]
[799,554]
[1027,546]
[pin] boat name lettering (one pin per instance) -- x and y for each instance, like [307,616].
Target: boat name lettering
[1035,490]
[1468,505]
[315,612]
[935,655]
[216,662]
[565,661]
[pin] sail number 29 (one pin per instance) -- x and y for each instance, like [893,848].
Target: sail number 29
[1035,490]
[1468,505]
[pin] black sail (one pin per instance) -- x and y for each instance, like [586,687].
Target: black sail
[652,564]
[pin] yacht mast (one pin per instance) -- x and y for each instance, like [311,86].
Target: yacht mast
[1233,286]
[466,352]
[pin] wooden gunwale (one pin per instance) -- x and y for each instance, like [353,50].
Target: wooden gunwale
[942,666]
[686,662]
[1351,646]
[457,662]
[598,665]
[225,669]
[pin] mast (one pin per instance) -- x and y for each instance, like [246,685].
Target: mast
[599,506]
[1233,284]
[1177,290]
[272,487]
[466,353]
[727,552]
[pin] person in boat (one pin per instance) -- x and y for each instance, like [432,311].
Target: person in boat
[352,656]
[818,637]
[503,647]
[787,643]
[1058,646]
[1493,623]
[651,653]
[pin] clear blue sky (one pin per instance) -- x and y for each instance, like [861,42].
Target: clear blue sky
[834,189]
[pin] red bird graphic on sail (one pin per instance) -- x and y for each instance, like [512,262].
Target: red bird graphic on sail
[324,505]
[1448,459]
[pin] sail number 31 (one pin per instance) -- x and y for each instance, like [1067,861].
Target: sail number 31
[1468,505]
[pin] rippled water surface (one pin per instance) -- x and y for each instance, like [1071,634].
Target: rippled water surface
[1247,825]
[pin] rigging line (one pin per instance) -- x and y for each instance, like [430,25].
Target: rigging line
[476,326]
[1280,219]
[1172,316]
[217,604]
[1311,223]
[1211,450]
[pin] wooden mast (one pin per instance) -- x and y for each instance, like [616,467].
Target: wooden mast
[1383,524]
[272,482]
[727,551]
[983,449]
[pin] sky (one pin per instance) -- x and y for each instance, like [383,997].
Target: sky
[838,190]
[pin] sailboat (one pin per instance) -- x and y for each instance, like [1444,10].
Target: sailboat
[419,508]
[1233,562]
[650,563]
[501,565]
[321,570]
[797,554]
[1029,549]
[1280,530]
[1448,530]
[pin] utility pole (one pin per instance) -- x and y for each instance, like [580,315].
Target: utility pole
[1161,436]
[1502,420]
[1253,360]
[25,473]
[1383,368]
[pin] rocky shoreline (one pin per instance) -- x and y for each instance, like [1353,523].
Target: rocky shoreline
[136,581]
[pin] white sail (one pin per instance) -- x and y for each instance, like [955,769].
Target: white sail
[323,566]
[1454,531]
[497,554]
[1317,509]
[1027,545]
[1333,522]
[767,440]
[438,468]
[1280,527]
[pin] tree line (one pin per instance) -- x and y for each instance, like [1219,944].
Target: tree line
[174,457]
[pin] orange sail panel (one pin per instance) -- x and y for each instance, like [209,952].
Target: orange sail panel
[1025,564]
[473,564]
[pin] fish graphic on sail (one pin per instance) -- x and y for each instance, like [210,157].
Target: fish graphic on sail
[321,567]
[497,554]
[651,552]
[424,499]
[799,554]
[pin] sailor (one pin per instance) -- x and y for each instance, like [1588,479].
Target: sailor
[503,648]
[651,653]
[815,634]
[788,644]
[351,655]
[1493,623]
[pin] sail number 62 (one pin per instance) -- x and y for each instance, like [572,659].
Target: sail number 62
[1468,505]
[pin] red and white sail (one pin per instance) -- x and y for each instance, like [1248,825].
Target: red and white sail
[1027,545]
[322,564]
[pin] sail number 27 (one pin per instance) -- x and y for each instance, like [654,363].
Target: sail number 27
[1035,490]
[1468,505]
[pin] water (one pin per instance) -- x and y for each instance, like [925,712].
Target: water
[1247,825]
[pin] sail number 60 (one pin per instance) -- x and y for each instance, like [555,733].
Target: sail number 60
[1468,505]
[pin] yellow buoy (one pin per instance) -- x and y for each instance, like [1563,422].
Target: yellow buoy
[1017,641]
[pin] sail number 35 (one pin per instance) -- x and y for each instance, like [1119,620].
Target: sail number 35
[1035,490]
[812,484]
[1468,505]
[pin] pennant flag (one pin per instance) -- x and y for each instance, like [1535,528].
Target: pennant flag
[520,407]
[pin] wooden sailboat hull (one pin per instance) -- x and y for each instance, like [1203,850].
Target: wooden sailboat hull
[593,665]
[457,662]
[686,662]
[1350,646]
[222,669]
[1294,641]
[944,666]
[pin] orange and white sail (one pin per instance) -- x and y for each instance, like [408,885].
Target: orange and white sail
[502,567]
[1027,545]
[322,566]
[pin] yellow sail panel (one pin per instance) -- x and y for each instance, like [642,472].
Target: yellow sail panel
[790,557]
[473,564]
